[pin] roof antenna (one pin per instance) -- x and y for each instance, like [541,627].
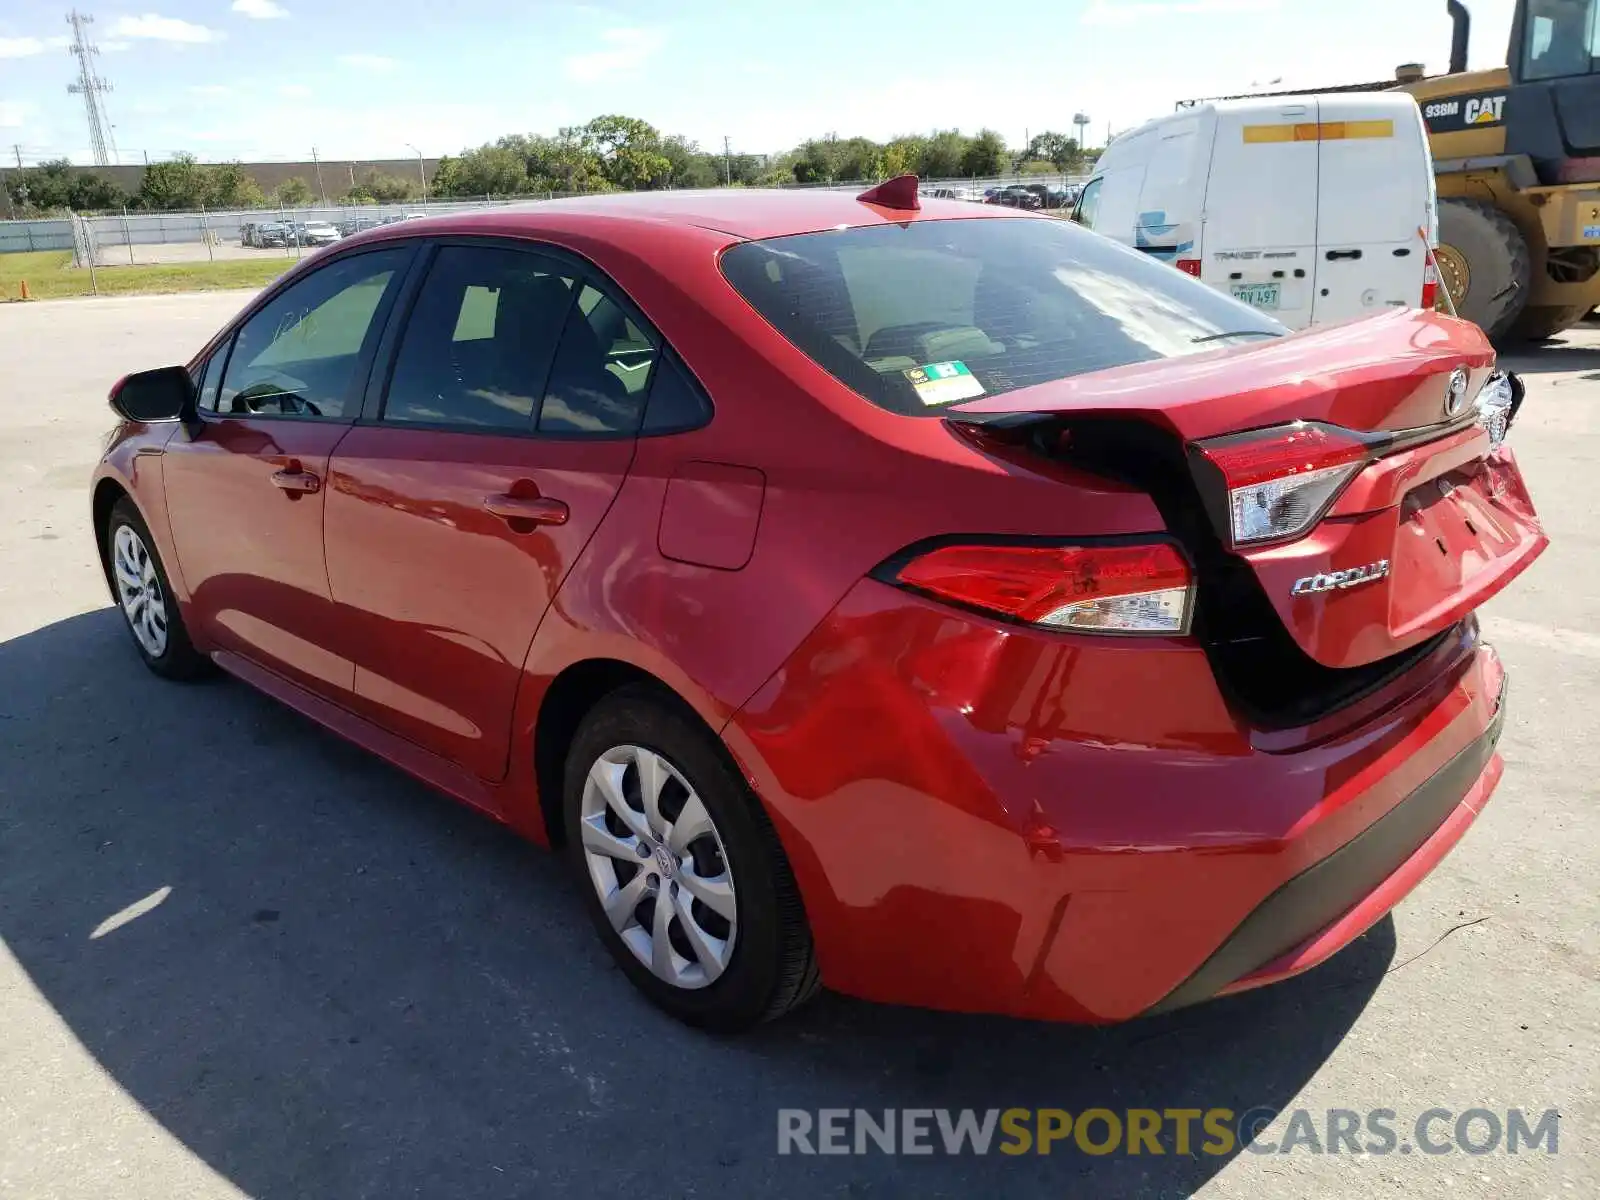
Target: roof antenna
[899,192]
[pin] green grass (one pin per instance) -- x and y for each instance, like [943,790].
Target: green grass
[51,275]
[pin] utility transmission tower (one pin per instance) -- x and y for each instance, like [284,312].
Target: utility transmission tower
[92,88]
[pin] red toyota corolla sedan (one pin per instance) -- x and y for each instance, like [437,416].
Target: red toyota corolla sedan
[942,604]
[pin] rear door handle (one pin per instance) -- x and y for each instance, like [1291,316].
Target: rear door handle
[1337,254]
[295,481]
[537,510]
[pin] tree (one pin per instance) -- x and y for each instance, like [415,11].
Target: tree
[629,151]
[178,183]
[985,155]
[689,166]
[812,163]
[1057,149]
[227,186]
[495,170]
[293,193]
[385,188]
[59,186]
[943,155]
[896,160]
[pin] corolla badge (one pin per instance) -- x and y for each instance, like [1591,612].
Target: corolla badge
[1338,580]
[1455,394]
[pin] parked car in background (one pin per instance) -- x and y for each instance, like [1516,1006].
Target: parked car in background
[1015,195]
[268,234]
[857,570]
[317,233]
[1049,196]
[356,224]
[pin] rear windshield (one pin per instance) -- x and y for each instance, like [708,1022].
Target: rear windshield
[930,313]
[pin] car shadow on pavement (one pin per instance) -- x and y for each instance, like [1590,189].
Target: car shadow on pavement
[355,987]
[1550,358]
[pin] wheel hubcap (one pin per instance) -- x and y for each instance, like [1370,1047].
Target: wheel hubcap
[139,589]
[657,863]
[1453,271]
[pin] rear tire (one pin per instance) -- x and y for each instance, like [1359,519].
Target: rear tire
[1487,254]
[145,598]
[1542,323]
[697,965]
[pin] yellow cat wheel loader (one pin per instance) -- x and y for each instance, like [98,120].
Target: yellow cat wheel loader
[1516,152]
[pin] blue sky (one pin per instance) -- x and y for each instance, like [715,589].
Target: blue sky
[365,78]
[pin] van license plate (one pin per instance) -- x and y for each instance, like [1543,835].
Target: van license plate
[1258,295]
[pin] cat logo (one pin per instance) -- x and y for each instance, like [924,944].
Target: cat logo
[1484,110]
[1469,112]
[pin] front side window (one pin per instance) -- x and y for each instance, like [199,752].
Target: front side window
[207,381]
[299,354]
[1088,203]
[481,337]
[931,313]
[1562,38]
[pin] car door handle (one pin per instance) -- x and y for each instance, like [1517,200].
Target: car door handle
[1337,254]
[295,481]
[538,510]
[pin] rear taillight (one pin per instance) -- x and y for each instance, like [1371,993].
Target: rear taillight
[1142,588]
[1430,284]
[1278,482]
[1189,266]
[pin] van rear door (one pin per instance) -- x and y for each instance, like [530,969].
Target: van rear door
[1261,208]
[1374,195]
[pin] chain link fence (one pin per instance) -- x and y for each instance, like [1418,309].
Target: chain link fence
[192,239]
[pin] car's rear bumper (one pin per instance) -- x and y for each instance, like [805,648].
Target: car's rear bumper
[1338,898]
[1083,831]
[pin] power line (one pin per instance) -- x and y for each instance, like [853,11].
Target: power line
[92,88]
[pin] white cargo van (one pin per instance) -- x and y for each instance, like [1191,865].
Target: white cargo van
[1307,207]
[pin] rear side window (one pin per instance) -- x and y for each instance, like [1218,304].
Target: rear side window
[602,368]
[480,340]
[918,316]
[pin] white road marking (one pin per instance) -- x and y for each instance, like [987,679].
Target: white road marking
[137,909]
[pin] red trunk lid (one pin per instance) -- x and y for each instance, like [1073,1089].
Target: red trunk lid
[1449,520]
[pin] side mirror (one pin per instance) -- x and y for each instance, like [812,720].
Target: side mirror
[165,394]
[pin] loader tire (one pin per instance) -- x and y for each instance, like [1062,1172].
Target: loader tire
[1539,324]
[1484,262]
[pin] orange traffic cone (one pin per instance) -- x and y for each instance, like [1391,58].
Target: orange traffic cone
[25,295]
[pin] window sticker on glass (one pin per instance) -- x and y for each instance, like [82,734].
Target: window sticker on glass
[944,382]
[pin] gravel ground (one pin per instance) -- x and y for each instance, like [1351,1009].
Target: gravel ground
[346,986]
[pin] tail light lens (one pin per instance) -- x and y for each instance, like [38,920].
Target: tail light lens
[1430,284]
[1279,481]
[1142,588]
[1190,266]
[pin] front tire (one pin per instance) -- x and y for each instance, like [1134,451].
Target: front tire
[680,868]
[144,595]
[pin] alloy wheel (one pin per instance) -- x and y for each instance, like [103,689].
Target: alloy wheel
[657,862]
[139,589]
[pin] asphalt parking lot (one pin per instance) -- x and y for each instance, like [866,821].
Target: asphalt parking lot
[340,984]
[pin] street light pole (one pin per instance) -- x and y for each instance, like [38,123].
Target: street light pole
[422,171]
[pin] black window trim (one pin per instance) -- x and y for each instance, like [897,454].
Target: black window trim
[583,272]
[223,347]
